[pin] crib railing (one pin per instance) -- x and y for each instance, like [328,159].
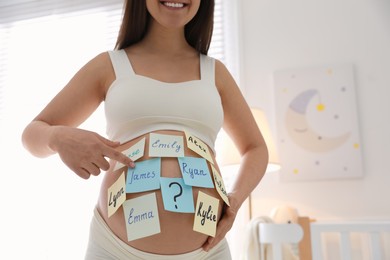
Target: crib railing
[311,236]
[344,230]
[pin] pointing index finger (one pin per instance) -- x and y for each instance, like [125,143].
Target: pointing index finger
[120,157]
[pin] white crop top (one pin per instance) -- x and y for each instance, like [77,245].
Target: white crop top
[136,105]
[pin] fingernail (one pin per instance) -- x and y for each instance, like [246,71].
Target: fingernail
[132,164]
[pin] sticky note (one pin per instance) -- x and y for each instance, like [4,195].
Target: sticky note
[116,195]
[166,145]
[177,196]
[206,214]
[144,176]
[134,153]
[198,146]
[195,172]
[141,216]
[220,185]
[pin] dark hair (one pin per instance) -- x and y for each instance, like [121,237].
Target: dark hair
[136,19]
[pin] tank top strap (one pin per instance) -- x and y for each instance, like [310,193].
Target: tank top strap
[121,63]
[207,68]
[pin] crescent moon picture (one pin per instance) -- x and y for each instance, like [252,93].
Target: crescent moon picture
[299,128]
[317,123]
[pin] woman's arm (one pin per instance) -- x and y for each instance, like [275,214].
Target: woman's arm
[55,130]
[240,125]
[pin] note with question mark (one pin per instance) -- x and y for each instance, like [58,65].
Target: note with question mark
[177,196]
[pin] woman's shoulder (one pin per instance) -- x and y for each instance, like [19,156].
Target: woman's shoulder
[98,71]
[100,61]
[223,77]
[220,66]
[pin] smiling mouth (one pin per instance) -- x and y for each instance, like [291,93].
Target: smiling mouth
[173,4]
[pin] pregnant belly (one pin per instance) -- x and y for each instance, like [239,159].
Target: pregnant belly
[176,233]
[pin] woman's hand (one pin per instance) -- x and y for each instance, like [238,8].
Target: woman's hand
[229,214]
[84,152]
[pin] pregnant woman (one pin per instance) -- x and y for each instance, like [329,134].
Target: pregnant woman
[165,101]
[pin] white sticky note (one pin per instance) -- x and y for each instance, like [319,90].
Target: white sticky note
[198,146]
[220,185]
[116,195]
[141,216]
[206,214]
[134,153]
[166,145]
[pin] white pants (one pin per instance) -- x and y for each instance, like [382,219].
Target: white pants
[103,244]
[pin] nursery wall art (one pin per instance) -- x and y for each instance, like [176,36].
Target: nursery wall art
[317,123]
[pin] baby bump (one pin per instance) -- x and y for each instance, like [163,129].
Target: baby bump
[170,202]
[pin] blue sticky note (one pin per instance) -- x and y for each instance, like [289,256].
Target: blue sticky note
[177,196]
[195,172]
[144,177]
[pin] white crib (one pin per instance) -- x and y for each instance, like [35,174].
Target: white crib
[372,230]
[312,236]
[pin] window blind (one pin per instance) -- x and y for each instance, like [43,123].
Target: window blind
[14,14]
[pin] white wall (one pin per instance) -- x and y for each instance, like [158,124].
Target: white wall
[281,34]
